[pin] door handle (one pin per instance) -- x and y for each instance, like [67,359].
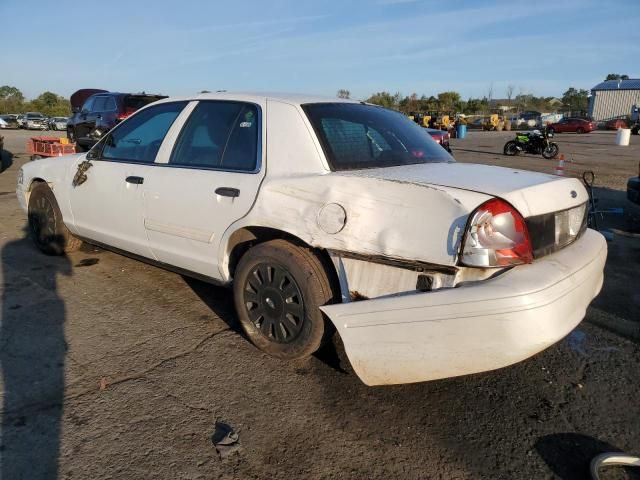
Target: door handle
[228,192]
[135,180]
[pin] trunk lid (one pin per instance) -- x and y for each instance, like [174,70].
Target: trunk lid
[531,193]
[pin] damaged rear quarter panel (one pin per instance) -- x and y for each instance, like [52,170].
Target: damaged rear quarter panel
[399,220]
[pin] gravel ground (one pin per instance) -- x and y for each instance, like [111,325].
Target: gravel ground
[115,369]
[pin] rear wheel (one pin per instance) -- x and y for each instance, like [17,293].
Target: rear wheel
[278,289]
[46,227]
[511,148]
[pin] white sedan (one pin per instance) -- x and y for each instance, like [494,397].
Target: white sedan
[330,215]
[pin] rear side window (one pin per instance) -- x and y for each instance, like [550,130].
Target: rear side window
[99,104]
[355,136]
[110,104]
[138,138]
[220,135]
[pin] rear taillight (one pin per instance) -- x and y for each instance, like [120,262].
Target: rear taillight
[127,113]
[496,236]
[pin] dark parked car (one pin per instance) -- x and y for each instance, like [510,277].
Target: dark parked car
[616,123]
[577,125]
[96,115]
[10,121]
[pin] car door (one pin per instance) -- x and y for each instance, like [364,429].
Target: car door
[109,206]
[210,179]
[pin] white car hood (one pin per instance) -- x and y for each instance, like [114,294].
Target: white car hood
[530,192]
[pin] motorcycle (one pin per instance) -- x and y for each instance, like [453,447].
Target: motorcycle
[535,142]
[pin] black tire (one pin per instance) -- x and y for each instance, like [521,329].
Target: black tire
[551,151]
[278,289]
[511,148]
[46,226]
[579,130]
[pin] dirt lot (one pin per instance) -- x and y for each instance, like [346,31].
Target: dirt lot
[115,369]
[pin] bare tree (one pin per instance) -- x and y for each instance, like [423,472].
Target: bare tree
[343,93]
[510,89]
[490,93]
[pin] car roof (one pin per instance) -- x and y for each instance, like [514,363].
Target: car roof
[292,98]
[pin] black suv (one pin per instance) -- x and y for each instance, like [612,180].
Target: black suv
[98,113]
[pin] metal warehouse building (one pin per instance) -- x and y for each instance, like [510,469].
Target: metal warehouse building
[614,99]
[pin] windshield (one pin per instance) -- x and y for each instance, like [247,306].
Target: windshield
[355,136]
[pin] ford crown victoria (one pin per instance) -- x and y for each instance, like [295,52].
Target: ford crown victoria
[333,215]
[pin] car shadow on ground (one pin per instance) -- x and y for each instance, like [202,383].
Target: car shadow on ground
[32,362]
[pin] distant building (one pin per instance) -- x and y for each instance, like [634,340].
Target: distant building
[614,99]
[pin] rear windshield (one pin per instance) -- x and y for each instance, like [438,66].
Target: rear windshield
[135,102]
[355,136]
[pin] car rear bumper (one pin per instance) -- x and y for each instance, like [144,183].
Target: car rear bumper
[476,327]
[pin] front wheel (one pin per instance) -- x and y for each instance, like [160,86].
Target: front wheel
[511,148]
[46,226]
[551,150]
[278,289]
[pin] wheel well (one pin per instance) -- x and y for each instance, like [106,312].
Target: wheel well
[35,181]
[243,239]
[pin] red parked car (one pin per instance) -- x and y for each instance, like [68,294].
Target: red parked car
[616,123]
[577,125]
[441,137]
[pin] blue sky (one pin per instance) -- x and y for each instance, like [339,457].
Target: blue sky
[180,47]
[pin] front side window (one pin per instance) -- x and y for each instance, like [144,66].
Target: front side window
[355,136]
[138,138]
[87,105]
[221,135]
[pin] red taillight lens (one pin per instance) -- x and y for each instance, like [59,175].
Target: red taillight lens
[128,112]
[496,236]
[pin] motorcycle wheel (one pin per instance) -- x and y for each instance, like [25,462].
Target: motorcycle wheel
[511,148]
[551,151]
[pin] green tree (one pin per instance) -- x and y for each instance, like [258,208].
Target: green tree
[575,100]
[50,104]
[617,76]
[449,101]
[11,99]
[386,99]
